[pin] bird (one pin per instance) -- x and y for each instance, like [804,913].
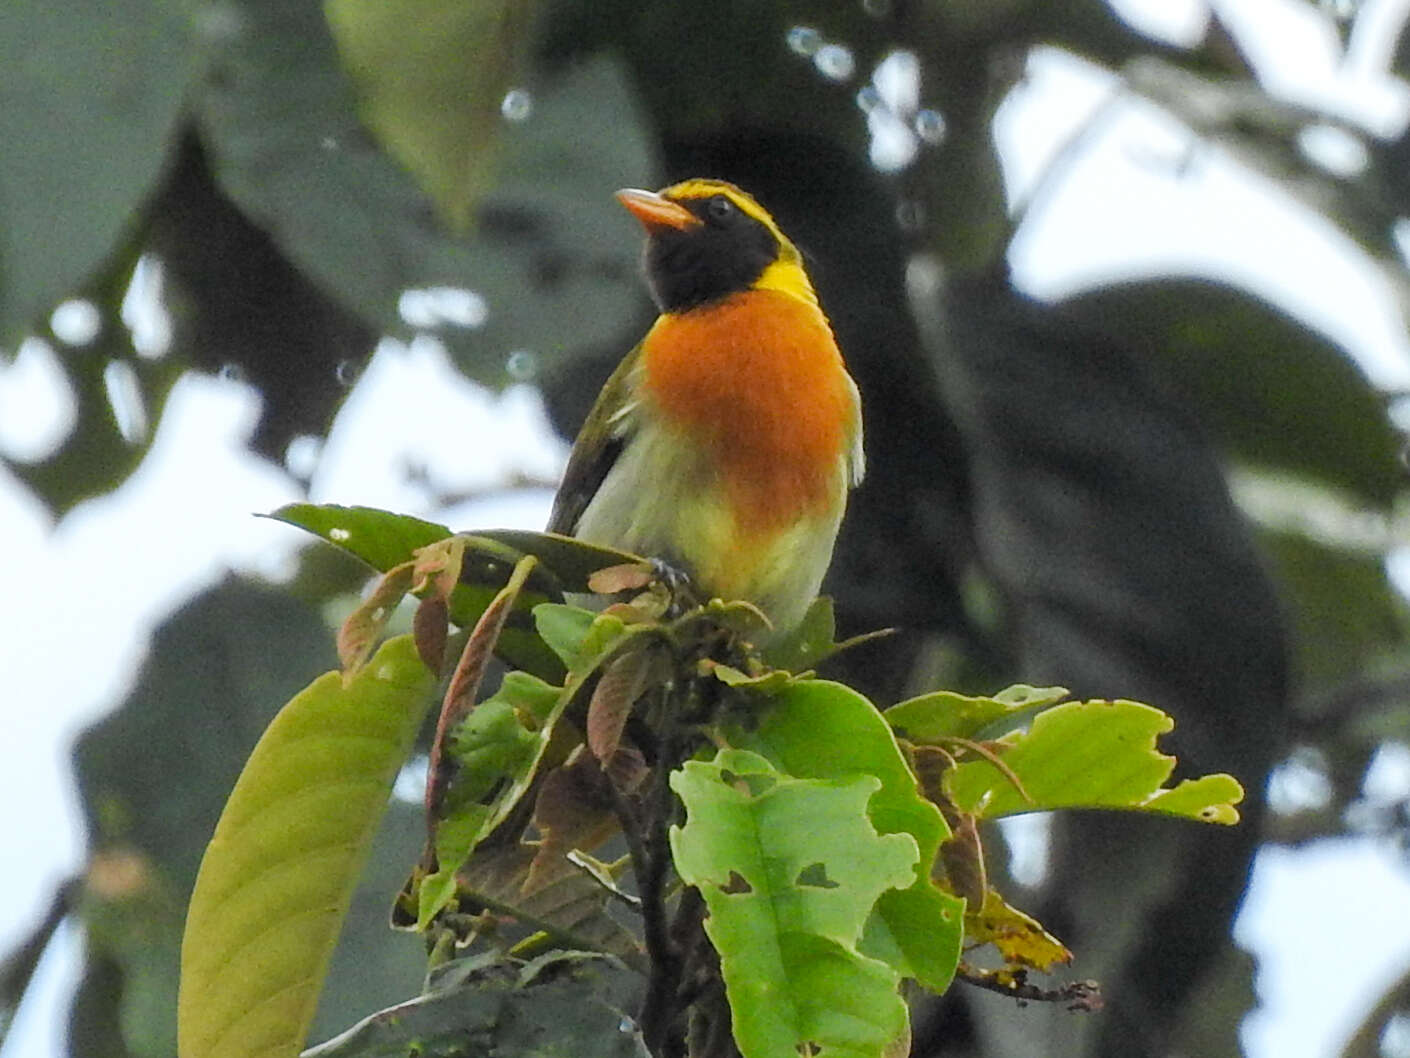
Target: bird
[726,441]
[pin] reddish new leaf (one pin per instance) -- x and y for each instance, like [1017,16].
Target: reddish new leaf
[430,628]
[617,691]
[630,576]
[460,695]
[364,626]
[573,811]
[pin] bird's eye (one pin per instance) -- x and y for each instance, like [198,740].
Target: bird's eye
[719,208]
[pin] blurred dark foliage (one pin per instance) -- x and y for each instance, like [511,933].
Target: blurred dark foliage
[240,305]
[1046,496]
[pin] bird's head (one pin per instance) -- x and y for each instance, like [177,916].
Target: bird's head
[707,239]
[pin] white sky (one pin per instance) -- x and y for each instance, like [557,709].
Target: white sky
[112,569]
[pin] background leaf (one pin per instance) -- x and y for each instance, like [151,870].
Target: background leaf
[358,224]
[88,111]
[1270,389]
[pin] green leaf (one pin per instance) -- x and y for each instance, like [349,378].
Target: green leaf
[817,729]
[810,642]
[581,638]
[942,715]
[281,868]
[551,259]
[575,1006]
[380,538]
[787,923]
[438,114]
[814,640]
[1095,754]
[497,749]
[385,540]
[572,561]
[92,99]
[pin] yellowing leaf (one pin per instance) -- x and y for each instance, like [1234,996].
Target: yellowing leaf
[1019,938]
[1095,754]
[280,870]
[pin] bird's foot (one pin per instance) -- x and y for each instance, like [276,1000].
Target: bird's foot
[676,581]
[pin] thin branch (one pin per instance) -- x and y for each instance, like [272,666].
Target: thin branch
[659,1011]
[1080,996]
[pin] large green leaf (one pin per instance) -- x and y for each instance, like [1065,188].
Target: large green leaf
[1093,754]
[1345,610]
[280,870]
[153,777]
[790,870]
[88,104]
[1273,391]
[380,538]
[815,729]
[438,114]
[551,264]
[383,539]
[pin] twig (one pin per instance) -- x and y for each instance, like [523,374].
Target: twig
[659,1010]
[1082,996]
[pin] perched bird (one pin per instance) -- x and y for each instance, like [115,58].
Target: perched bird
[725,442]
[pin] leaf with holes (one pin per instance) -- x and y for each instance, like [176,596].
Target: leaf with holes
[787,925]
[280,870]
[1095,754]
[817,729]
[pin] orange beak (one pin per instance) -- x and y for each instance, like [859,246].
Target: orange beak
[656,212]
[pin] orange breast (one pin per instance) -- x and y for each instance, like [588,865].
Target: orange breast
[757,381]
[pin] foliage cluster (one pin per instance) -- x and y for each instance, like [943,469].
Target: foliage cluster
[792,853]
[1163,485]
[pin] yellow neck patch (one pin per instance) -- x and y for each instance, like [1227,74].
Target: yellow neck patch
[787,277]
